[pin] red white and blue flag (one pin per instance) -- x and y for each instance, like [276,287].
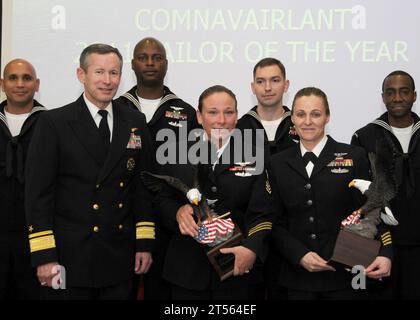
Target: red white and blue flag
[354,218]
[218,230]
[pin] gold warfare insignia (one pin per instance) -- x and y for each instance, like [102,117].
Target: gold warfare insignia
[31,228]
[131,163]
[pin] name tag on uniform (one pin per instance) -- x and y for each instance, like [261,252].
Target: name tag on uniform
[135,140]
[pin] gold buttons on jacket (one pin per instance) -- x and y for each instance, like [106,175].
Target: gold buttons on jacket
[122,184]
[95,206]
[97,186]
[95,229]
[120,205]
[120,227]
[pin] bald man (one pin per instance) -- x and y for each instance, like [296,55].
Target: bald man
[163,110]
[18,116]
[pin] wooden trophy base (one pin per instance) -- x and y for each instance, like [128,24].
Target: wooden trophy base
[354,250]
[224,263]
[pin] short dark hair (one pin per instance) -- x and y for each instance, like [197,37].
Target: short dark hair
[399,73]
[312,91]
[215,89]
[267,62]
[99,48]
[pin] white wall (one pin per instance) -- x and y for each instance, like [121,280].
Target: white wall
[344,47]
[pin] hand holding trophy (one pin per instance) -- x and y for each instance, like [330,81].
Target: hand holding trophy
[215,230]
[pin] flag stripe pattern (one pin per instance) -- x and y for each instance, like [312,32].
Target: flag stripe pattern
[217,230]
[354,218]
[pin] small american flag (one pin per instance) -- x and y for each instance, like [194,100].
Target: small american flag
[354,218]
[216,231]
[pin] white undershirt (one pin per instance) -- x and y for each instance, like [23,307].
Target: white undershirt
[403,135]
[317,151]
[219,151]
[270,128]
[149,107]
[15,122]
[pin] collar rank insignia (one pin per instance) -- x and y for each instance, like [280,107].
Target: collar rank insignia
[131,163]
[134,141]
[242,169]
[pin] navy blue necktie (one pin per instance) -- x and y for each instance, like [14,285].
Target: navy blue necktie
[309,156]
[104,128]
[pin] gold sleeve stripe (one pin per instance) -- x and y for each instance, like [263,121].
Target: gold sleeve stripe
[146,228]
[269,224]
[386,234]
[262,223]
[261,226]
[40,234]
[258,230]
[145,223]
[42,243]
[145,233]
[387,243]
[386,238]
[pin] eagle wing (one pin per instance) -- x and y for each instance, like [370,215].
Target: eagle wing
[383,187]
[156,182]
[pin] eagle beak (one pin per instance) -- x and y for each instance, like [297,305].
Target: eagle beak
[195,201]
[352,184]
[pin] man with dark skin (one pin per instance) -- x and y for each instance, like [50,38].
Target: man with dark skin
[399,126]
[163,110]
[18,117]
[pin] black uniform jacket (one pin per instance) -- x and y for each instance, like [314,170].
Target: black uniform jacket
[85,207]
[13,151]
[247,197]
[285,134]
[172,113]
[310,210]
[406,205]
